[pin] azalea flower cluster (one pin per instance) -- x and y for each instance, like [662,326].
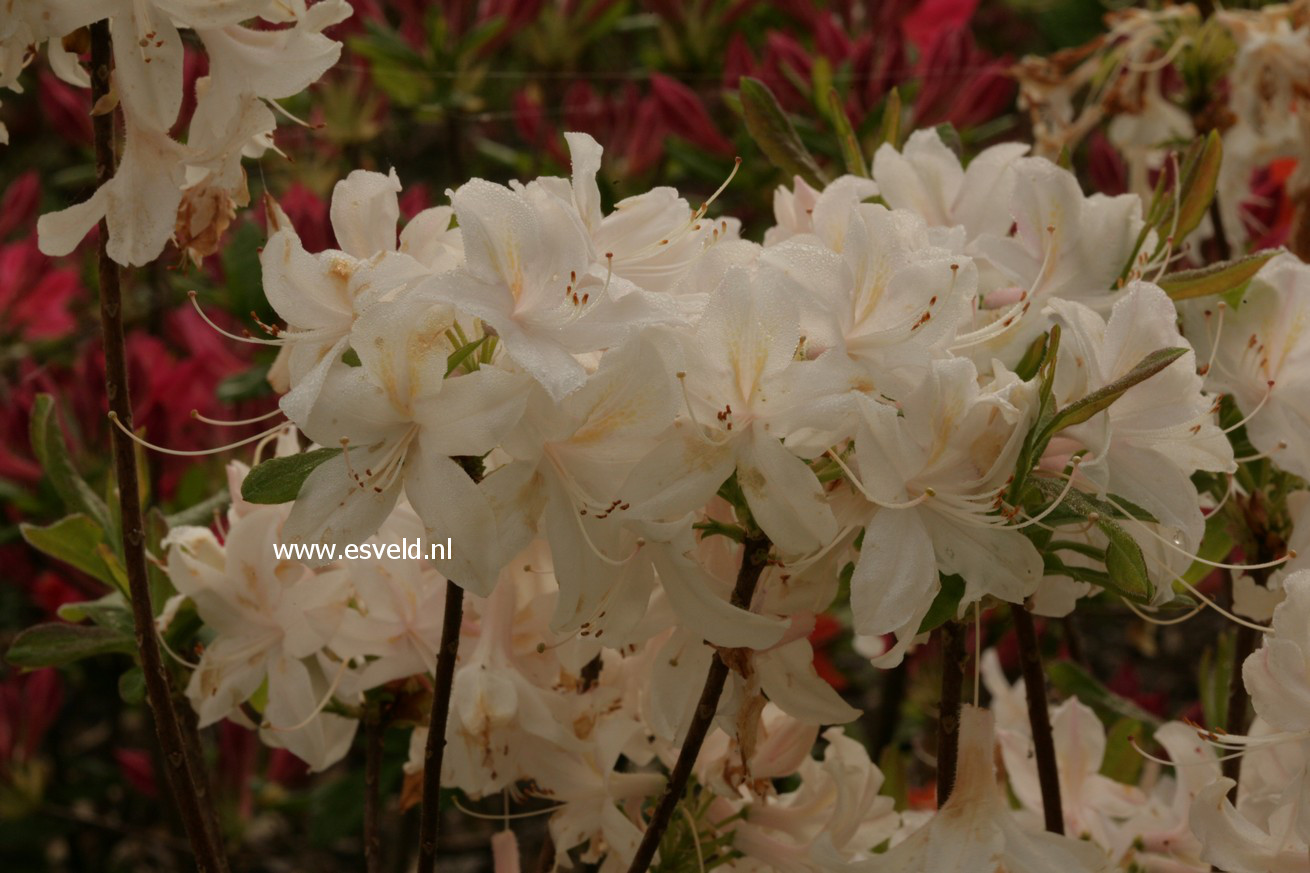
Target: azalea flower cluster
[935,373]
[1154,80]
[167,189]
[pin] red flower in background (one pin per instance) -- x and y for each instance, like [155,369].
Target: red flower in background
[19,204]
[34,293]
[685,115]
[826,630]
[962,84]
[29,704]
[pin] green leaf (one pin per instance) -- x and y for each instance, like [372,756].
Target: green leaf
[248,384]
[1034,443]
[1073,681]
[1122,762]
[77,541]
[278,480]
[890,130]
[851,154]
[951,138]
[461,354]
[1200,175]
[946,605]
[1220,278]
[1125,566]
[111,612]
[57,644]
[1083,409]
[1215,673]
[202,513]
[1032,359]
[1216,543]
[132,686]
[774,133]
[52,453]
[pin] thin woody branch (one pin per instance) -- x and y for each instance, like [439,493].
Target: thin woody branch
[185,772]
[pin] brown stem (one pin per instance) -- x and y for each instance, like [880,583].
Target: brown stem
[1073,640]
[373,731]
[883,724]
[948,718]
[185,774]
[443,682]
[434,751]
[546,857]
[1222,248]
[1238,700]
[755,553]
[1039,719]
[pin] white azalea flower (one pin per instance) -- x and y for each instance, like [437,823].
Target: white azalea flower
[975,831]
[933,474]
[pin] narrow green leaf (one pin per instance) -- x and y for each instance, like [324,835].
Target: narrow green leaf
[1083,409]
[774,133]
[1198,187]
[1121,761]
[202,513]
[1219,278]
[461,354]
[76,540]
[132,686]
[1073,681]
[846,138]
[1216,543]
[951,138]
[278,480]
[55,644]
[1215,670]
[1124,564]
[52,454]
[890,130]
[946,605]
[1034,443]
[111,612]
[1032,359]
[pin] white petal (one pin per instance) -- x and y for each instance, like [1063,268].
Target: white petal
[365,212]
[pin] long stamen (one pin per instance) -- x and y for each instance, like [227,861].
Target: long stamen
[1269,390]
[506,816]
[1162,622]
[332,690]
[1291,553]
[1259,456]
[163,642]
[1132,741]
[702,432]
[1055,504]
[113,416]
[253,340]
[1215,341]
[859,486]
[283,337]
[196,414]
[736,165]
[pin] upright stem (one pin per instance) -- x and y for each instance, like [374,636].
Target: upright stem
[882,727]
[185,773]
[755,553]
[373,731]
[443,682]
[1238,700]
[1034,680]
[948,718]
[435,750]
